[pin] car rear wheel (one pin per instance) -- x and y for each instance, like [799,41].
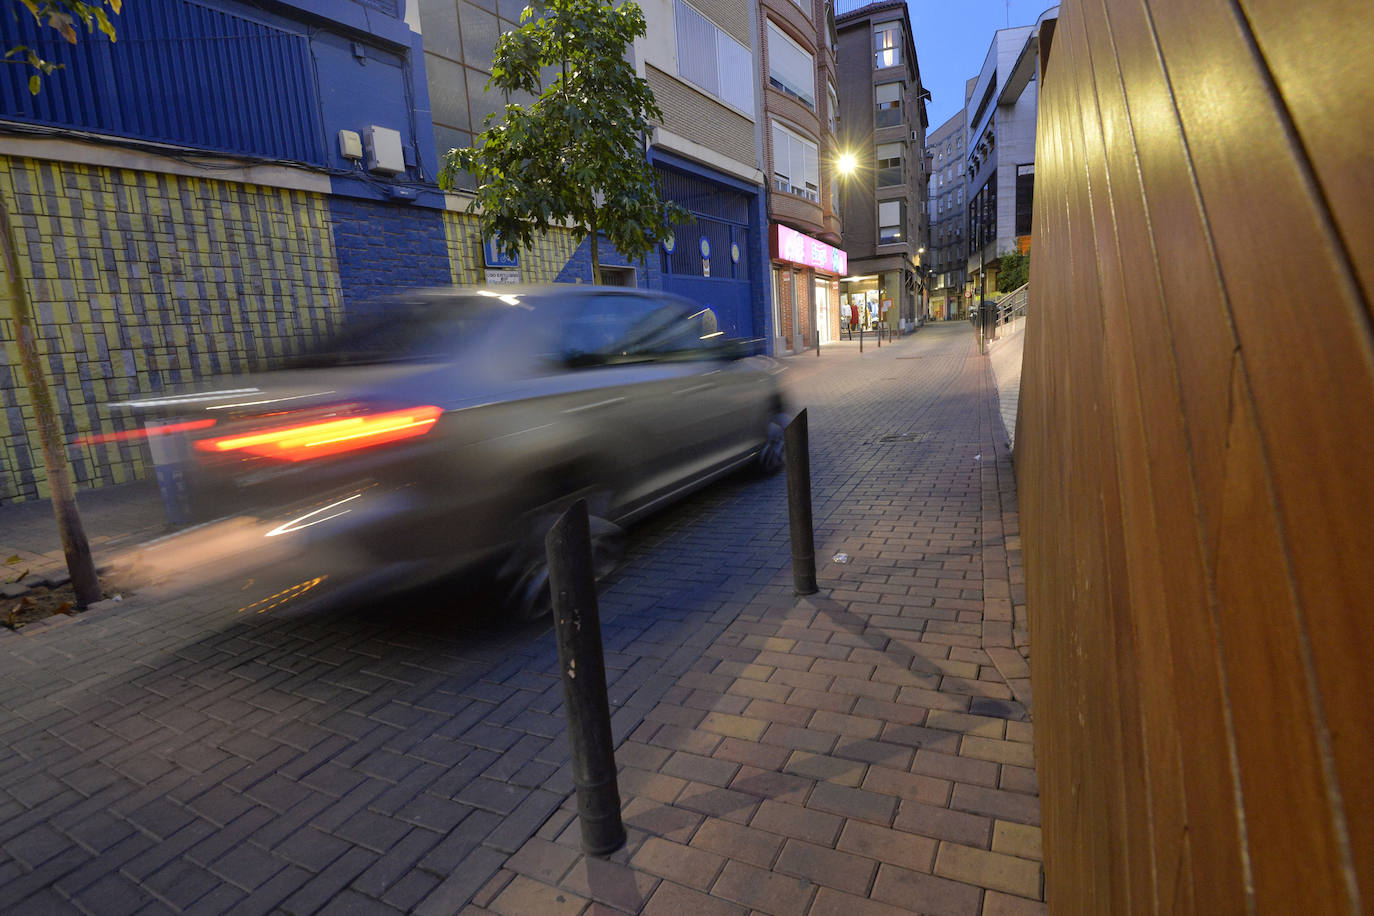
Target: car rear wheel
[771,456]
[530,596]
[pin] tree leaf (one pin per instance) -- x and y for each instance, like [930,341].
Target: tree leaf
[35,84]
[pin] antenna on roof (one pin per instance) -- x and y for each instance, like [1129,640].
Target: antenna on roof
[1008,13]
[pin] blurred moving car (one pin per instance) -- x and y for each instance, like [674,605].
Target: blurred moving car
[448,431]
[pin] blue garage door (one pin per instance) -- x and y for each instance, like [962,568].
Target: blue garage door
[709,262]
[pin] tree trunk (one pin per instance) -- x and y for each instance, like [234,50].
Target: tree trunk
[74,543]
[596,252]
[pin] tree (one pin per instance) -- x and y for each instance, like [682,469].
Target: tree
[1013,271]
[575,155]
[61,16]
[58,15]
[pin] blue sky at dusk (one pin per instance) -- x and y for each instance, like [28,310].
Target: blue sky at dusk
[952,38]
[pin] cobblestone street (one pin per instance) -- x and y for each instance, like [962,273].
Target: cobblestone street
[864,750]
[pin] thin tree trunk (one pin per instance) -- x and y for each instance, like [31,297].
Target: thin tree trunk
[74,543]
[596,252]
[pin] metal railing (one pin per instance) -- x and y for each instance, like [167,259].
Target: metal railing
[1012,306]
[991,316]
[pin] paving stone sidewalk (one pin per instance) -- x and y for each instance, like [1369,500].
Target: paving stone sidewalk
[864,751]
[867,749]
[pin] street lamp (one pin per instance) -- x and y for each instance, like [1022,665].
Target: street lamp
[846,165]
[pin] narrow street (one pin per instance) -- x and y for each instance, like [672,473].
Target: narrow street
[865,750]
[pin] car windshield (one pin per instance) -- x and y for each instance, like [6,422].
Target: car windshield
[417,330]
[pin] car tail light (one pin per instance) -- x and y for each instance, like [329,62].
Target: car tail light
[145,433]
[303,441]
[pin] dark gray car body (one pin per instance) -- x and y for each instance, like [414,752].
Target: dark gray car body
[627,398]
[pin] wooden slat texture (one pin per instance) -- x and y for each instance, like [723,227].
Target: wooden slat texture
[1310,56]
[1194,458]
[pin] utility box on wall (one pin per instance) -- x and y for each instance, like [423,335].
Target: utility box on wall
[384,153]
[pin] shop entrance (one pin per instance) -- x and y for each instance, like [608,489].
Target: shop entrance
[826,319]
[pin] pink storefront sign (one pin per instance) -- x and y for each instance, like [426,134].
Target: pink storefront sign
[796,248]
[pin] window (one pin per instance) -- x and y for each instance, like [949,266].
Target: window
[889,164]
[796,167]
[889,99]
[834,102]
[604,328]
[887,45]
[1025,196]
[712,61]
[891,221]
[791,69]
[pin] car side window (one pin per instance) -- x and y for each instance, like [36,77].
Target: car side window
[610,329]
[694,335]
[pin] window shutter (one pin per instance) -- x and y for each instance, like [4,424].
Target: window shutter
[736,73]
[696,49]
[790,65]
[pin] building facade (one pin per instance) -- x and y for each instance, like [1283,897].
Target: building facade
[1000,154]
[700,58]
[948,252]
[883,124]
[800,106]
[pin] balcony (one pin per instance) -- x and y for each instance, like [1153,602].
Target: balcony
[787,187]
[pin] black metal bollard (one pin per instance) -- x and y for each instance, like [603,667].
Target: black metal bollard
[797,449]
[818,341]
[879,335]
[581,658]
[861,338]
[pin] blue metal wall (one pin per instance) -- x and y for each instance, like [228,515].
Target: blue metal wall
[180,73]
[233,77]
[725,211]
